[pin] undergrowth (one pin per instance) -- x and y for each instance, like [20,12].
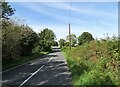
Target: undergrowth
[94,63]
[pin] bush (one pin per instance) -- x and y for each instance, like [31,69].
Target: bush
[11,43]
[17,41]
[94,63]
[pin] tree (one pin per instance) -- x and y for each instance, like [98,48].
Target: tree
[55,43]
[85,37]
[73,39]
[46,39]
[10,43]
[28,40]
[17,41]
[62,43]
[7,10]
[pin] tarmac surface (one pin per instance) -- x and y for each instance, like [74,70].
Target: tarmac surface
[49,70]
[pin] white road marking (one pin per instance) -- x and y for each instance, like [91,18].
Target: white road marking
[34,73]
[50,59]
[30,76]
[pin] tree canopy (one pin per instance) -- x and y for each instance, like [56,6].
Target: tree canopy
[73,39]
[46,39]
[7,10]
[85,37]
[62,42]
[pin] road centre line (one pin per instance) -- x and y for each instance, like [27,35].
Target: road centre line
[30,76]
[34,73]
[50,59]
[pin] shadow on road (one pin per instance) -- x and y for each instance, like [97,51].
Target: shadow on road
[49,56]
[54,73]
[57,50]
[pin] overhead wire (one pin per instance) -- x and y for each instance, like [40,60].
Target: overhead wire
[70,11]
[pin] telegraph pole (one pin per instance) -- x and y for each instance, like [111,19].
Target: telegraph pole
[69,26]
[69,36]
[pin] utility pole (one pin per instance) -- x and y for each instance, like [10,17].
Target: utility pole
[69,25]
[69,36]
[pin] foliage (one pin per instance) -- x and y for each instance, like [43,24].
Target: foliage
[10,43]
[55,43]
[28,40]
[95,63]
[24,59]
[17,41]
[67,44]
[73,39]
[85,37]
[46,39]
[62,43]
[7,10]
[20,41]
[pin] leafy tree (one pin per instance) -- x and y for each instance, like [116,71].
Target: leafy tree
[7,10]
[10,43]
[46,39]
[17,41]
[55,43]
[73,39]
[85,37]
[67,43]
[62,43]
[10,34]
[28,40]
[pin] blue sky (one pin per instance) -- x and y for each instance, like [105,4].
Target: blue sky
[98,18]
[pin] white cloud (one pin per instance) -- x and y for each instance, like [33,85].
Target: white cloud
[64,6]
[61,31]
[64,18]
[85,10]
[108,24]
[37,8]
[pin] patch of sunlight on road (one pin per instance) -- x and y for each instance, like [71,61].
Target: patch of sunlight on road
[41,83]
[4,81]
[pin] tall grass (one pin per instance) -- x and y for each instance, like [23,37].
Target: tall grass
[94,63]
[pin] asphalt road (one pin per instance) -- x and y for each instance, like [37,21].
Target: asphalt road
[51,69]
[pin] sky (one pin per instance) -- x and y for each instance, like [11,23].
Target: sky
[98,18]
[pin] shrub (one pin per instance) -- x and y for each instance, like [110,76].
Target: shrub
[94,63]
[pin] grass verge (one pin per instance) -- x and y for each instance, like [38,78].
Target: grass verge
[22,60]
